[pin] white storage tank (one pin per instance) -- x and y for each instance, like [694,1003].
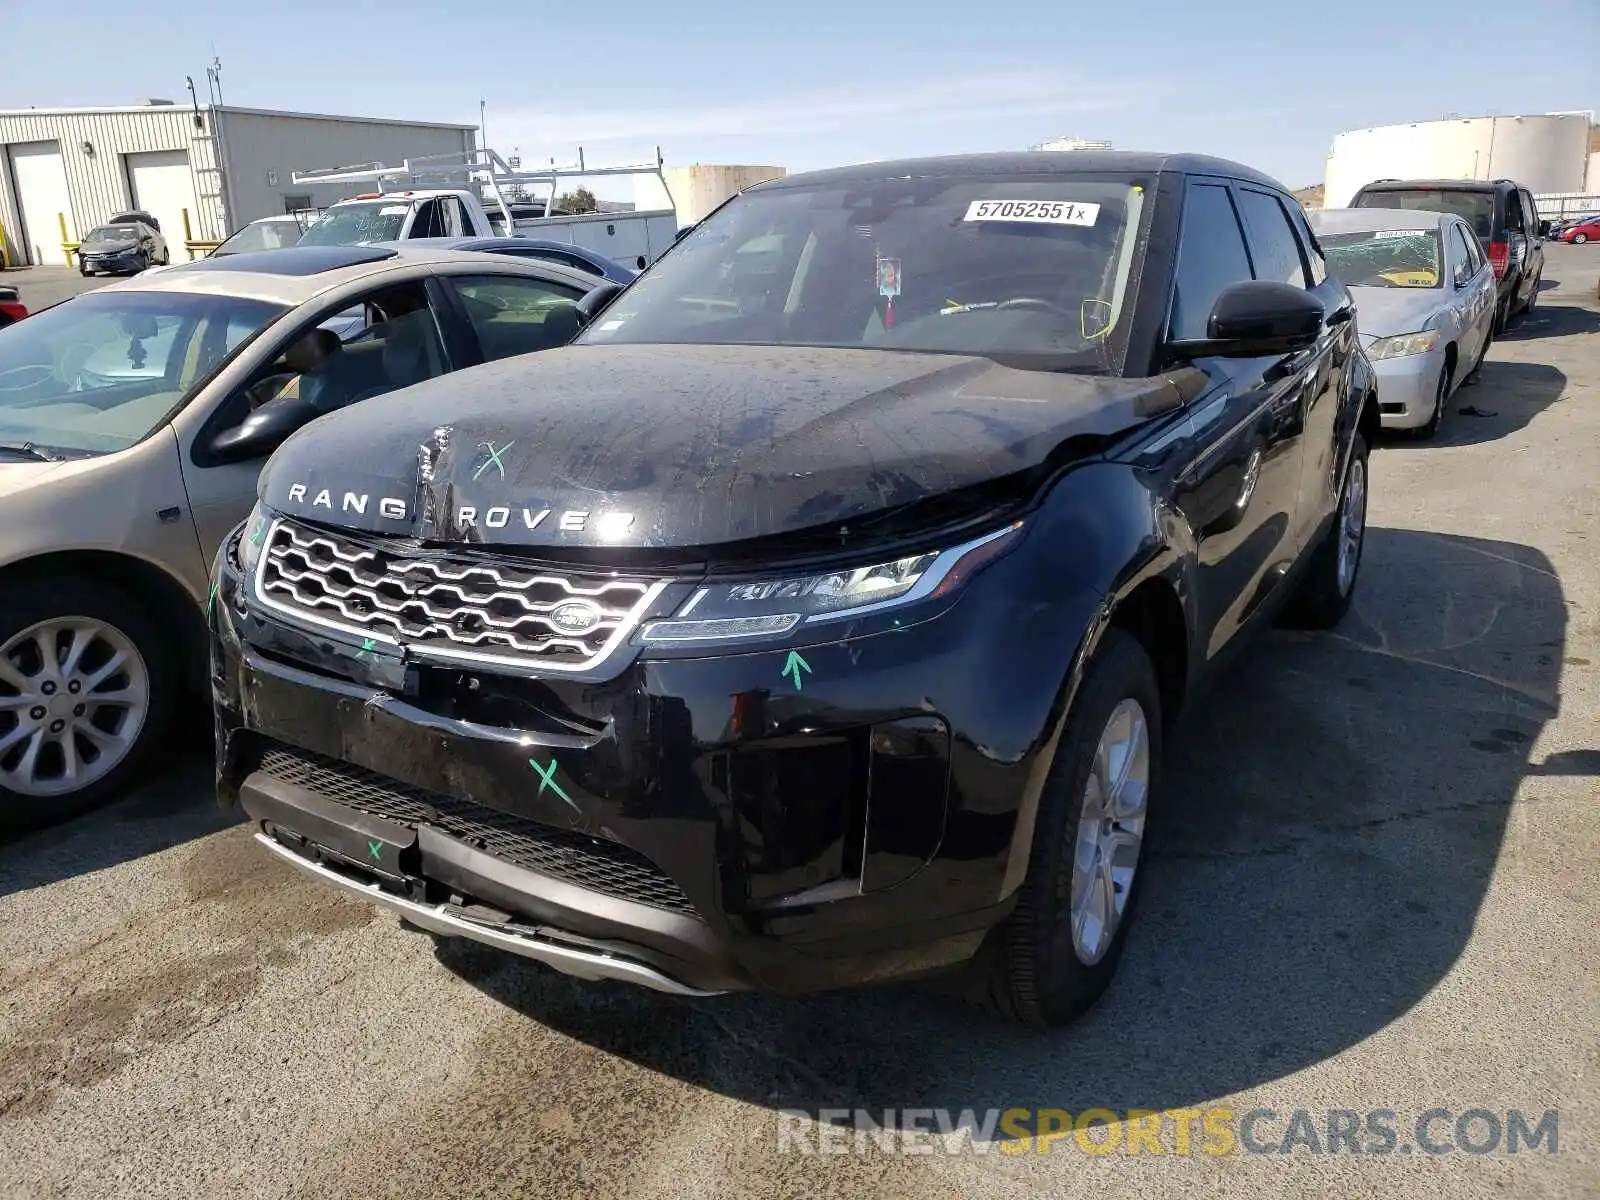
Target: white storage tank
[698,189]
[1547,153]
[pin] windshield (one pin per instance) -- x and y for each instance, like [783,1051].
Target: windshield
[355,224]
[113,233]
[97,373]
[1475,208]
[1014,266]
[268,235]
[1391,258]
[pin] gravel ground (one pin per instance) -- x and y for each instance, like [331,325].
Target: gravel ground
[1377,890]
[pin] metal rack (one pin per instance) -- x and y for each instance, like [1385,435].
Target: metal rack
[483,167]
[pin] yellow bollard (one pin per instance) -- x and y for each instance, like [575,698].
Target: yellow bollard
[5,258]
[188,233]
[66,242]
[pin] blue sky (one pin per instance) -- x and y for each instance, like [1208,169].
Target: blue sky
[821,83]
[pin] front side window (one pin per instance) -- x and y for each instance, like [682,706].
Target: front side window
[1272,241]
[388,339]
[1466,265]
[358,224]
[430,220]
[513,315]
[1386,258]
[1014,266]
[1313,248]
[1211,257]
[100,372]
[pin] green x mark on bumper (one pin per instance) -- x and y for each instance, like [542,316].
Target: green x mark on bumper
[547,779]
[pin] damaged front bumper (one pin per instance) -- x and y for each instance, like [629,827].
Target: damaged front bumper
[696,822]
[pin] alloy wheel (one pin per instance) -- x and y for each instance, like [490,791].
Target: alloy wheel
[1110,830]
[74,696]
[1352,524]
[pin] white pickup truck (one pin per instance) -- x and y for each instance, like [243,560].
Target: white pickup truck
[634,239]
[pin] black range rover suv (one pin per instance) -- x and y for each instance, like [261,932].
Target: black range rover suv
[819,616]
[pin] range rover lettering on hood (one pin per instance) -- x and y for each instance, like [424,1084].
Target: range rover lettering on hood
[612,524]
[672,446]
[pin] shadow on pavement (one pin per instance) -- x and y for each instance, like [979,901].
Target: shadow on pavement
[1336,808]
[1551,320]
[175,807]
[1508,396]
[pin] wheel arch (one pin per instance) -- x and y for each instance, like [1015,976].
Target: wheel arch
[140,578]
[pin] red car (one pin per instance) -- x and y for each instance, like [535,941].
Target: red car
[1586,230]
[11,308]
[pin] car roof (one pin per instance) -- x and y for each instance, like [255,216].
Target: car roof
[1360,220]
[295,274]
[1451,185]
[1024,162]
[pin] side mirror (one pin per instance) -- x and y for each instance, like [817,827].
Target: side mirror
[1257,318]
[602,295]
[1544,229]
[263,431]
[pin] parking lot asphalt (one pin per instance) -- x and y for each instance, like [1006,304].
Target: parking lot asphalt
[40,287]
[1376,888]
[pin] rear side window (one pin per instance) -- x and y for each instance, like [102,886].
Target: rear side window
[1513,203]
[1474,207]
[1272,240]
[1211,256]
[1530,211]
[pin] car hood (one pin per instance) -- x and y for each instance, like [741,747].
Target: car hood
[18,476]
[668,446]
[1384,312]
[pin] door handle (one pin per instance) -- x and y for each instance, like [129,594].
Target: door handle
[1340,315]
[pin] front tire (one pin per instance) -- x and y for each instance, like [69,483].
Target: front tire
[1579,239]
[1441,397]
[1329,585]
[1059,949]
[89,683]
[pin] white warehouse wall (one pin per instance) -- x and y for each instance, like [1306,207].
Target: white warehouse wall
[1543,153]
[97,175]
[265,149]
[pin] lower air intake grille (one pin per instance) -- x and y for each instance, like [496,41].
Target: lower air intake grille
[574,858]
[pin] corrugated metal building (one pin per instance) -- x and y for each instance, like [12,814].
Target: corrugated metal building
[206,170]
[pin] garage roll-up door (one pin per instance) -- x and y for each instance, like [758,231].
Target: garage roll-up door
[41,189]
[163,187]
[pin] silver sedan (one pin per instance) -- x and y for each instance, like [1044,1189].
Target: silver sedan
[1425,296]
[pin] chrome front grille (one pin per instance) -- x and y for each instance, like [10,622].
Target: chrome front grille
[449,607]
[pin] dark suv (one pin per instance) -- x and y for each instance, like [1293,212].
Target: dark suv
[817,618]
[1501,212]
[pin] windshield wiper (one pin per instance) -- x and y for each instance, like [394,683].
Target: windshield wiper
[33,451]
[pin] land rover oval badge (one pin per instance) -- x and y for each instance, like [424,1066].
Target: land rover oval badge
[575,616]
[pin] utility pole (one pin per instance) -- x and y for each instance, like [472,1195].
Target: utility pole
[483,125]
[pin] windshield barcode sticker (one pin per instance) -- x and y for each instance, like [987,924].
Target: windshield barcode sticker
[1384,235]
[1041,212]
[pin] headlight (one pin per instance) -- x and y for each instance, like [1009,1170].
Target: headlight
[1404,345]
[253,538]
[773,607]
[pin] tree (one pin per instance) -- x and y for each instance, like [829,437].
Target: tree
[579,201]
